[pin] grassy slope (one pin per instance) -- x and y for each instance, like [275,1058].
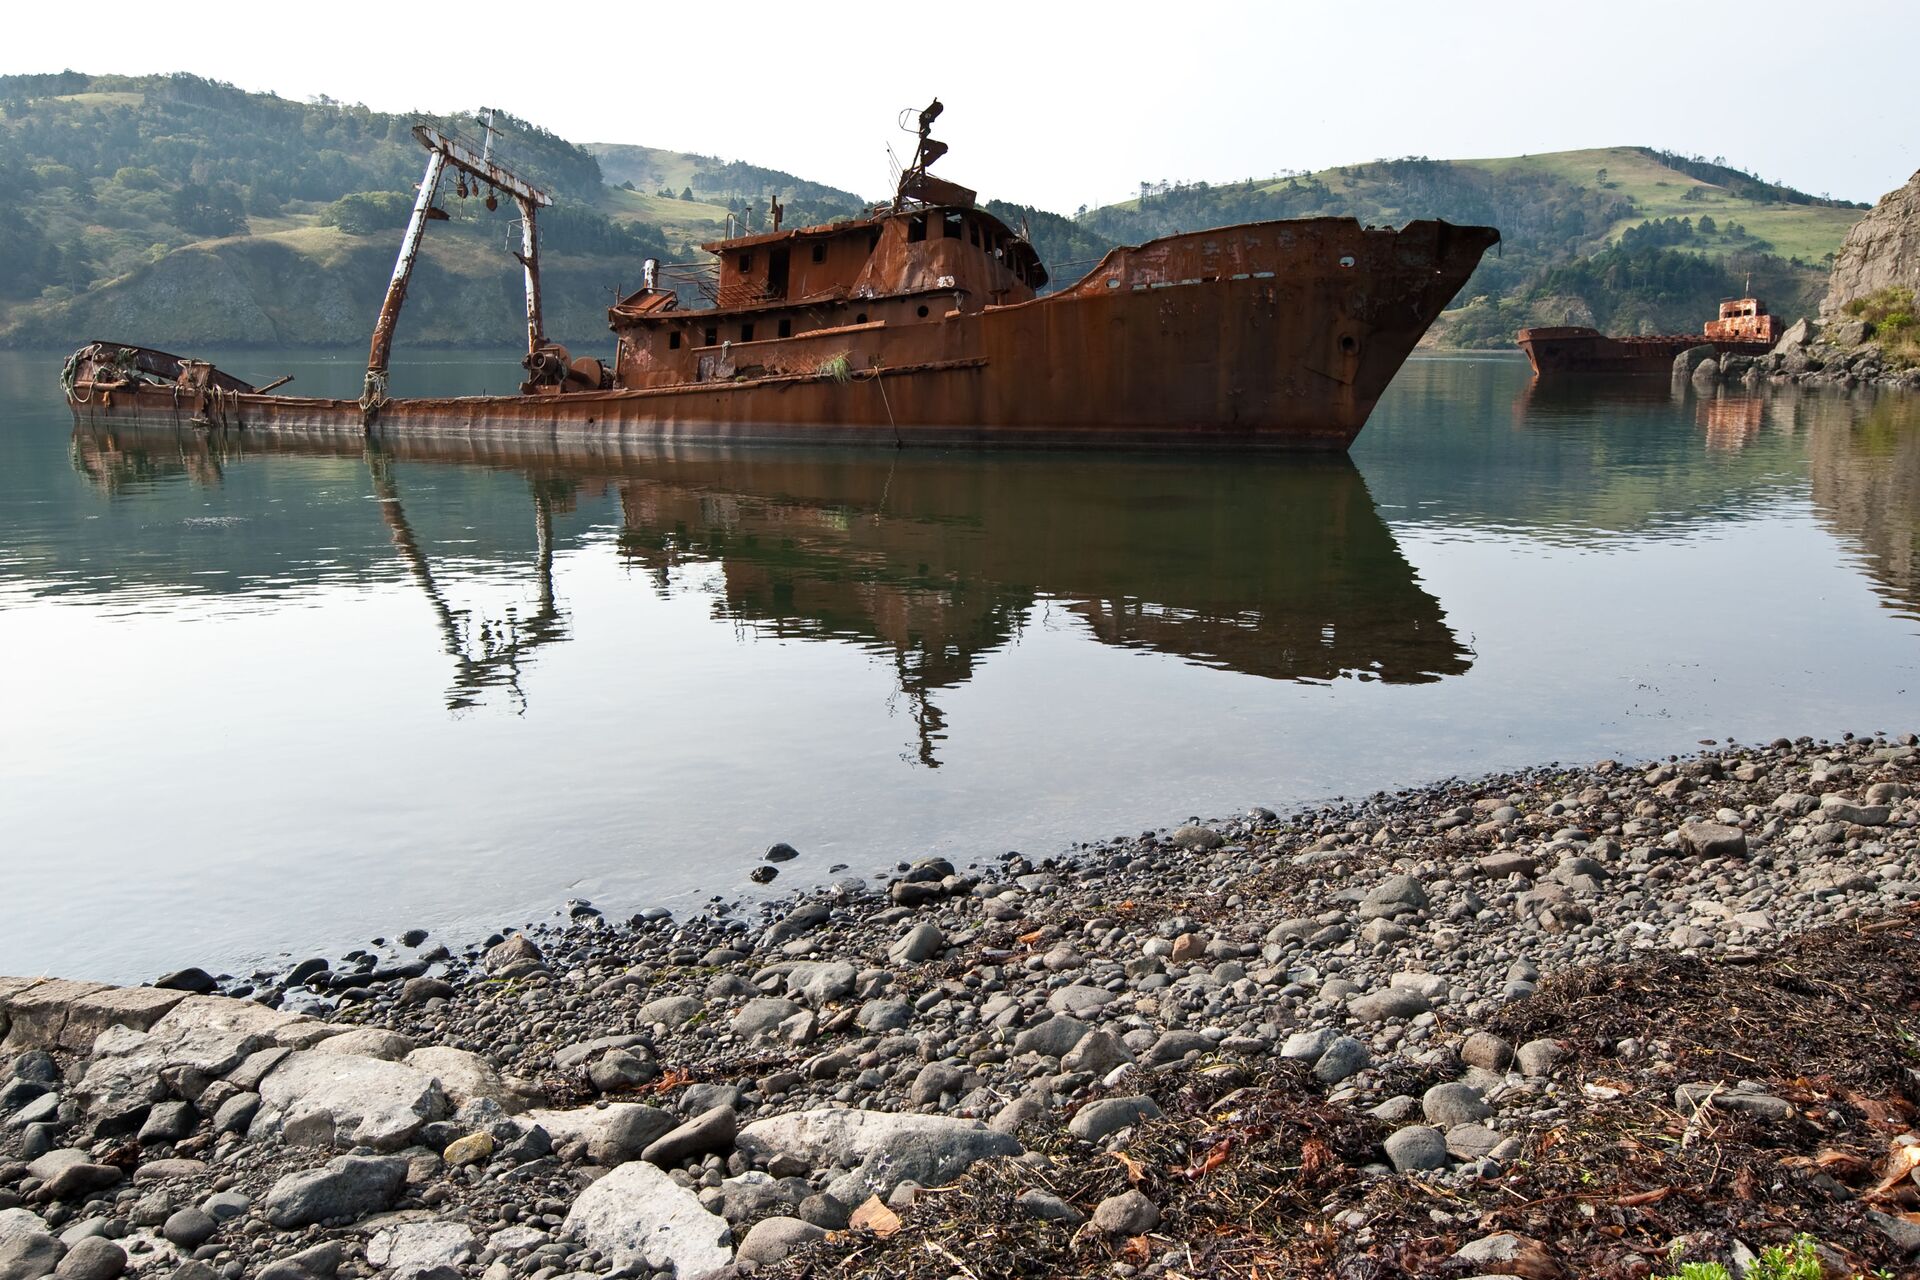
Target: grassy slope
[1791,230]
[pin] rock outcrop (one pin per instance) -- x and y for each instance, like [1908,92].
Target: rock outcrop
[1882,251]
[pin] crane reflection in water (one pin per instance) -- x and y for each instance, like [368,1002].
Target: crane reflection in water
[1277,568]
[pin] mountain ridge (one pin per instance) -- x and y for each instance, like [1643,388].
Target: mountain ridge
[176,210]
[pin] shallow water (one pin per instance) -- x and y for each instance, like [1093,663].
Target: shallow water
[256,701]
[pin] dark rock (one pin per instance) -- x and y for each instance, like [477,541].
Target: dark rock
[189,1228]
[782,852]
[198,981]
[710,1131]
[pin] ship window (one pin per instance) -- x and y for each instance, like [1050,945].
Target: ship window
[786,328]
[673,340]
[1346,259]
[746,333]
[861,318]
[713,335]
[746,262]
[873,240]
[973,232]
[950,226]
[916,228]
[820,252]
[922,313]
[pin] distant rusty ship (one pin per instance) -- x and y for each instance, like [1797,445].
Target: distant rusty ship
[1744,328]
[920,324]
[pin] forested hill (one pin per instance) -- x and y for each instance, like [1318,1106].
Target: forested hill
[172,209]
[180,211]
[1626,238]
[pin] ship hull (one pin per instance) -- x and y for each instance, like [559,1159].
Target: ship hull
[1558,352]
[1269,336]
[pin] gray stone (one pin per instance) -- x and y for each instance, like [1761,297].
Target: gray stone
[763,1016]
[1128,1214]
[414,1250]
[1173,1047]
[348,1187]
[1736,1098]
[1471,1141]
[772,1239]
[1840,809]
[369,1042]
[1099,1119]
[1047,1207]
[934,1081]
[224,1205]
[1052,1038]
[168,1122]
[882,1149]
[1416,1148]
[1307,1046]
[672,1012]
[236,1113]
[884,1015]
[638,1213]
[821,982]
[325,1099]
[1379,1006]
[713,1130]
[618,1071]
[1396,895]
[1539,1057]
[189,1228]
[922,942]
[517,955]
[1344,1057]
[1454,1103]
[27,1249]
[93,1258]
[1098,1052]
[1487,1051]
[317,1262]
[1713,840]
[1197,838]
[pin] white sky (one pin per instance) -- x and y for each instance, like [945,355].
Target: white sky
[1062,104]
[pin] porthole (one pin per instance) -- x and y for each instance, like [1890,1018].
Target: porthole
[1346,259]
[921,312]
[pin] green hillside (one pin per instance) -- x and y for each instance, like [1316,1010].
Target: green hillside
[1624,238]
[180,211]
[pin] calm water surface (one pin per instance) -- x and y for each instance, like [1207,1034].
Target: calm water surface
[259,700]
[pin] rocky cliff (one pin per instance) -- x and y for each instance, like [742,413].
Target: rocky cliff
[1882,251]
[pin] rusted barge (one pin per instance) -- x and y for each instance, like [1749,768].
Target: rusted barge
[1744,327]
[923,323]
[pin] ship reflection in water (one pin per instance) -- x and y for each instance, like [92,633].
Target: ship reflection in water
[1274,567]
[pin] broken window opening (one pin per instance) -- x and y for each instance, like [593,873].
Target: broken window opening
[950,226]
[786,328]
[673,340]
[916,228]
[746,333]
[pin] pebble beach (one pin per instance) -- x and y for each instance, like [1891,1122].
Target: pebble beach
[1482,1027]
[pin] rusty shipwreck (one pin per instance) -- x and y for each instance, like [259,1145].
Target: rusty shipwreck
[1744,327]
[924,322]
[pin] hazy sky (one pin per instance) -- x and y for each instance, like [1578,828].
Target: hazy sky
[1063,104]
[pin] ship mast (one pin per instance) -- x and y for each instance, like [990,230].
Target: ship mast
[443,150]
